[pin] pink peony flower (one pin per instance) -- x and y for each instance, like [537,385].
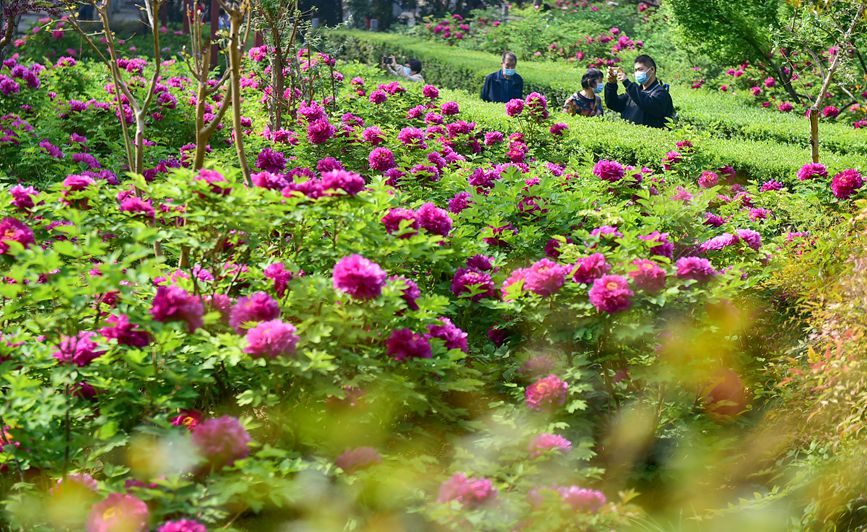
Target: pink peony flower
[256,308]
[708,179]
[349,182]
[79,350]
[118,513]
[429,91]
[358,277]
[663,247]
[695,268]
[175,304]
[771,185]
[411,136]
[610,171]
[75,482]
[582,499]
[450,108]
[271,161]
[611,294]
[215,180]
[471,492]
[278,273]
[588,269]
[546,442]
[718,242]
[545,277]
[546,393]
[812,171]
[514,107]
[845,183]
[409,294]
[648,276]
[319,131]
[352,460]
[404,344]
[378,96]
[392,221]
[12,230]
[136,205]
[271,339]
[373,135]
[468,281]
[433,219]
[221,441]
[182,525]
[752,238]
[187,418]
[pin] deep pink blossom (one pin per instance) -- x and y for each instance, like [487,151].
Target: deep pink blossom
[12,230]
[271,339]
[845,183]
[611,294]
[221,441]
[359,277]
[404,344]
[471,492]
[255,308]
[546,393]
[118,512]
[695,268]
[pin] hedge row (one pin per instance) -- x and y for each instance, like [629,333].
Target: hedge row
[723,116]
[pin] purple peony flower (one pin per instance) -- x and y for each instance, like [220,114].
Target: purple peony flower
[381,159]
[429,91]
[812,171]
[125,332]
[450,334]
[845,183]
[175,304]
[319,131]
[327,164]
[695,268]
[588,269]
[22,198]
[433,219]
[514,107]
[410,293]
[450,108]
[648,276]
[411,136]
[471,492]
[546,393]
[468,281]
[404,344]
[118,512]
[221,441]
[392,221]
[271,161]
[610,171]
[460,202]
[258,307]
[611,294]
[378,96]
[752,238]
[358,277]
[771,185]
[271,339]
[12,230]
[373,135]
[558,129]
[663,247]
[718,242]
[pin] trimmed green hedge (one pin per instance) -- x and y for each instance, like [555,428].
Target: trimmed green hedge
[723,116]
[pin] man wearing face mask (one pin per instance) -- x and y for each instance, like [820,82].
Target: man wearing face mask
[587,102]
[647,101]
[504,84]
[411,71]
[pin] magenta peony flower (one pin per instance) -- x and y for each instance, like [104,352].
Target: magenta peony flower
[187,418]
[546,442]
[352,460]
[124,332]
[79,350]
[545,277]
[695,268]
[552,247]
[215,180]
[514,107]
[648,277]
[393,218]
[582,499]
[258,307]
[136,205]
[404,344]
[771,185]
[469,491]
[358,277]
[450,108]
[271,339]
[319,131]
[785,107]
[460,202]
[718,242]
[12,230]
[349,182]
[175,304]
[411,136]
[546,393]
[812,171]
[378,96]
[182,525]
[278,273]
[663,247]
[558,129]
[468,281]
[708,179]
[381,159]
[373,135]
[221,441]
[269,180]
[429,91]
[118,513]
[449,333]
[433,219]
[610,171]
[22,197]
[845,183]
[271,161]
[493,137]
[588,269]
[611,294]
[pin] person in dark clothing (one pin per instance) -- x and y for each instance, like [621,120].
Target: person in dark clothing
[504,84]
[586,102]
[646,102]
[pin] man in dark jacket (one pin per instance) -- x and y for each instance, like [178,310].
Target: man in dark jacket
[646,102]
[504,84]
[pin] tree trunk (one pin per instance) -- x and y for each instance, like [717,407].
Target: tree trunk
[235,80]
[814,133]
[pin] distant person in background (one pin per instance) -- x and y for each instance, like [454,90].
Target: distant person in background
[411,70]
[647,101]
[504,84]
[587,102]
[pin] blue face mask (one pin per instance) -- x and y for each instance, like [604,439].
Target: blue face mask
[599,88]
[641,77]
[509,71]
[407,71]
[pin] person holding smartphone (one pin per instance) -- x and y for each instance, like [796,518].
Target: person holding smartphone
[646,102]
[411,70]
